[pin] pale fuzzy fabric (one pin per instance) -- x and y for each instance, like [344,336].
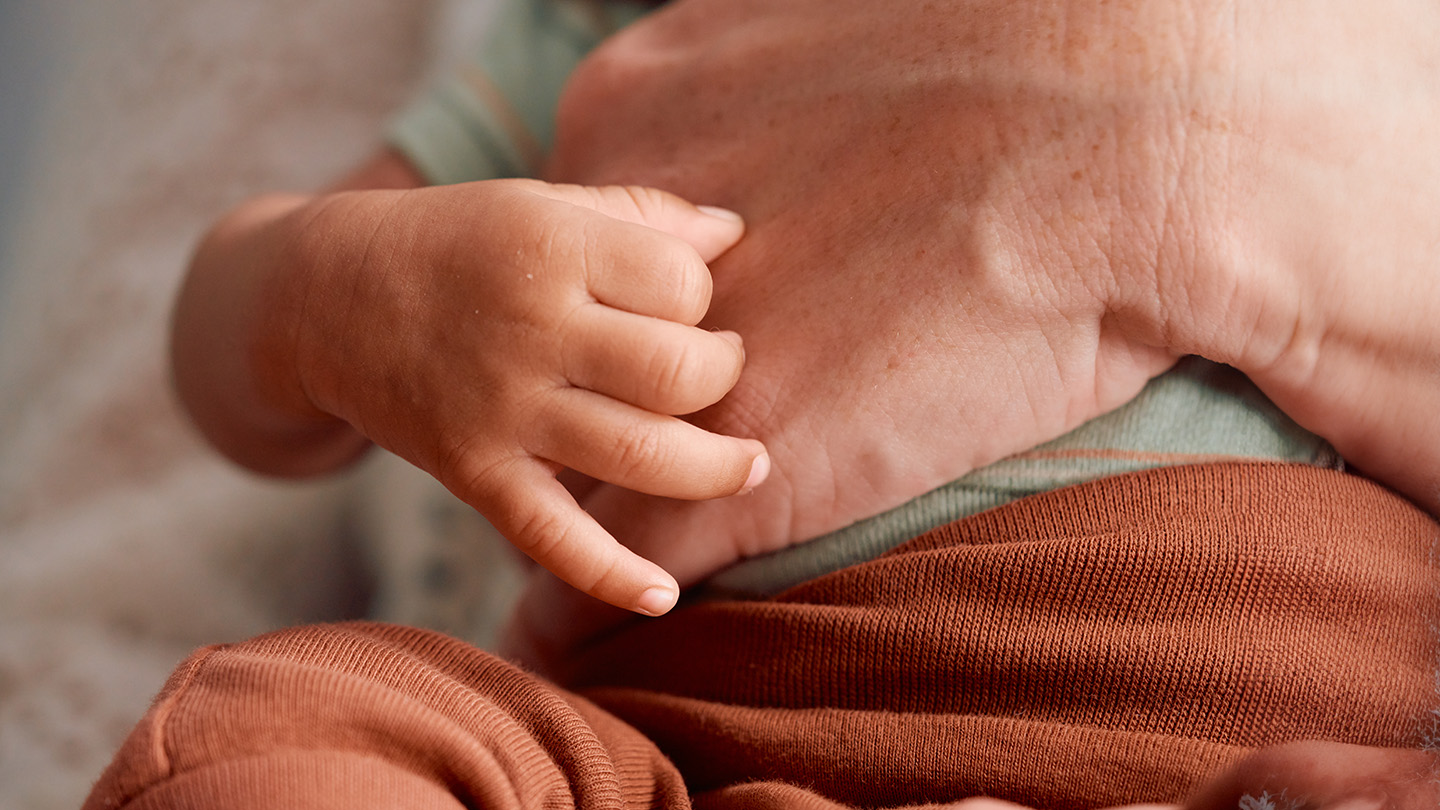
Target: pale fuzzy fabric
[434,562]
[124,542]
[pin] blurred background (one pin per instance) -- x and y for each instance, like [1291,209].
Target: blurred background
[25,68]
[125,128]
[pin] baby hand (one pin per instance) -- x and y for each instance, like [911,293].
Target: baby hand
[495,333]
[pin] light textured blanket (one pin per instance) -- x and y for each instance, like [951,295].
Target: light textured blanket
[124,543]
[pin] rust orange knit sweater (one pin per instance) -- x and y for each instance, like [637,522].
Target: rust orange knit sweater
[1118,641]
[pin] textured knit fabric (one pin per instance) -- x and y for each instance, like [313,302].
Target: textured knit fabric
[1112,642]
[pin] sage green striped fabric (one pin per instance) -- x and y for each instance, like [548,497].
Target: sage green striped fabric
[495,117]
[1197,413]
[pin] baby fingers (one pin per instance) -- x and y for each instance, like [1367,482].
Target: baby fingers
[643,451]
[539,517]
[654,364]
[647,272]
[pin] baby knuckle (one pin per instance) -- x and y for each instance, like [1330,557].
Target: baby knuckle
[688,278]
[641,452]
[540,533]
[607,576]
[648,202]
[461,469]
[563,245]
[674,373]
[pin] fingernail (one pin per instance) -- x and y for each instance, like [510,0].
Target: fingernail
[720,213]
[656,601]
[759,470]
[733,337]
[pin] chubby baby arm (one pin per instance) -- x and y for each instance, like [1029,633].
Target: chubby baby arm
[490,333]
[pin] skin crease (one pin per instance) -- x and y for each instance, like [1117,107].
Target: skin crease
[310,327]
[1067,197]
[977,283]
[1106,186]
[1071,196]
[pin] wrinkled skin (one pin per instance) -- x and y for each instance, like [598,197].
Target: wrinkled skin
[975,224]
[561,334]
[911,309]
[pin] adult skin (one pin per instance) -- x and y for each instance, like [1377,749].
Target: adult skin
[975,224]
[1065,197]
